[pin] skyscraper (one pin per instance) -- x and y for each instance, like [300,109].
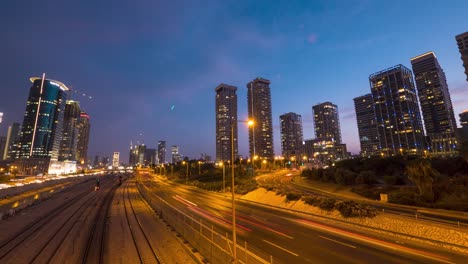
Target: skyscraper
[137,155]
[84,127]
[41,132]
[399,123]
[462,42]
[12,141]
[176,157]
[291,135]
[162,152]
[326,122]
[367,125]
[259,109]
[226,121]
[68,148]
[436,105]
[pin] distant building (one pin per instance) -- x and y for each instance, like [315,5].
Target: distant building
[205,157]
[161,152]
[259,110]
[226,121]
[68,148]
[11,150]
[116,159]
[137,155]
[463,131]
[1,117]
[399,122]
[462,42]
[436,105]
[150,156]
[291,135]
[176,156]
[2,145]
[324,152]
[367,125]
[326,122]
[84,127]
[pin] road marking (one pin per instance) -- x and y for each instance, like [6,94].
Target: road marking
[336,241]
[273,244]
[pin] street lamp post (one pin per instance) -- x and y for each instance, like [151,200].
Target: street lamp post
[234,233]
[199,168]
[224,178]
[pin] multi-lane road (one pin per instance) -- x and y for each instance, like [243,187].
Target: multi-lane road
[289,237]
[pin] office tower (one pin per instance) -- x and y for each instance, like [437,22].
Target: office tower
[83,139]
[259,109]
[12,140]
[226,121]
[462,42]
[176,156]
[291,135]
[326,122]
[436,105]
[68,148]
[367,125]
[162,152]
[115,159]
[96,161]
[41,132]
[2,145]
[399,123]
[1,117]
[150,157]
[137,155]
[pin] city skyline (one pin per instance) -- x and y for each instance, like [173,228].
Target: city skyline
[126,71]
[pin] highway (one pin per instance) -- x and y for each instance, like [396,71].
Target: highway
[288,237]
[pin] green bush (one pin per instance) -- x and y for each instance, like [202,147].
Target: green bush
[311,200]
[352,209]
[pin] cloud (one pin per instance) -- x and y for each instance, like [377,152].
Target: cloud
[312,38]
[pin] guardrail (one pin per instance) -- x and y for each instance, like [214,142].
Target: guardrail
[214,246]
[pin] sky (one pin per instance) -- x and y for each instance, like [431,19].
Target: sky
[139,58]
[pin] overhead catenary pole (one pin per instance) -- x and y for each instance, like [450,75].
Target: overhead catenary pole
[234,233]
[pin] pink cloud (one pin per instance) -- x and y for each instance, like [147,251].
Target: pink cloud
[312,38]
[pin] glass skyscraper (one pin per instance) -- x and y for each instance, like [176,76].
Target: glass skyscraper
[436,105]
[367,125]
[326,122]
[41,132]
[397,112]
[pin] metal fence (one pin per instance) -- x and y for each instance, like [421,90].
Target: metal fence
[212,245]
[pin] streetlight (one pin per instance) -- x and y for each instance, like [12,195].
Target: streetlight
[199,168]
[186,175]
[224,177]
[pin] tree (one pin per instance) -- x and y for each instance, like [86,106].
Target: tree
[422,174]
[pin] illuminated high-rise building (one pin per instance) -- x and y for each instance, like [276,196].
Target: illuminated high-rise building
[68,146]
[12,140]
[42,128]
[176,156]
[161,152]
[84,127]
[367,125]
[326,122]
[291,135]
[226,121]
[399,124]
[436,105]
[259,109]
[462,42]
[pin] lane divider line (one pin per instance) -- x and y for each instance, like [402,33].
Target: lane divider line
[339,242]
[273,244]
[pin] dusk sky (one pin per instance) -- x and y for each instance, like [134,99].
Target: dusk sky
[138,58]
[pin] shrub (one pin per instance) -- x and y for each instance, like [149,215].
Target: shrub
[293,196]
[352,209]
[311,200]
[327,204]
